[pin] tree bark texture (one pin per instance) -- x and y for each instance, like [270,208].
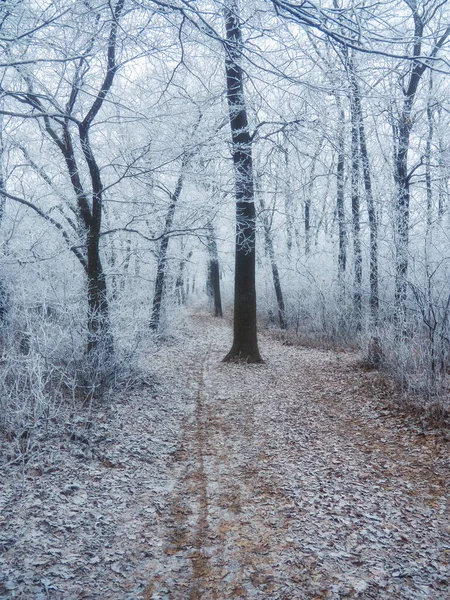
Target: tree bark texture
[443,191]
[340,182]
[428,153]
[308,201]
[402,131]
[375,349]
[214,271]
[356,225]
[3,292]
[99,326]
[180,288]
[273,265]
[162,254]
[88,210]
[245,343]
[371,210]
[288,201]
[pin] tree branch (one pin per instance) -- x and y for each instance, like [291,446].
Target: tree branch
[49,219]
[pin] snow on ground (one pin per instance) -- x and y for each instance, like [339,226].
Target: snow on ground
[80,518]
[288,480]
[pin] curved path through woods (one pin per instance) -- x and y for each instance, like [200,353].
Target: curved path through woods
[294,480]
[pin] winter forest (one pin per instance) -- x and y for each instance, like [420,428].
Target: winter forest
[224,231]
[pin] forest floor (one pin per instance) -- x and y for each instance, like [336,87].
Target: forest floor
[294,479]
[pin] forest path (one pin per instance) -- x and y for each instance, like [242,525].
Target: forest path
[294,481]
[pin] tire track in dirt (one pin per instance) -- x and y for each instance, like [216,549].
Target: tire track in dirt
[186,563]
[200,561]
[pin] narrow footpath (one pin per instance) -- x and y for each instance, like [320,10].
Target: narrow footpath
[290,480]
[294,481]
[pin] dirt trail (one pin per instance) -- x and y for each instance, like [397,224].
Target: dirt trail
[294,482]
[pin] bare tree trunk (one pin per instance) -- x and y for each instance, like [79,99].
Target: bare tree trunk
[89,218]
[308,201]
[375,351]
[245,342]
[288,202]
[180,289]
[401,224]
[402,177]
[126,265]
[274,267]
[2,173]
[162,254]
[214,271]
[373,220]
[99,326]
[356,225]
[98,320]
[428,179]
[342,226]
[307,222]
[443,177]
[3,292]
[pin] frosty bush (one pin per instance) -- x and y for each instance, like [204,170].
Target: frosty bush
[45,369]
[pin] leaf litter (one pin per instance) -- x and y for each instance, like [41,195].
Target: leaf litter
[287,480]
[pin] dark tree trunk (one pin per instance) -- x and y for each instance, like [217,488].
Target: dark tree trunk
[308,201]
[443,178]
[162,254]
[402,216]
[340,207]
[99,326]
[274,267]
[100,340]
[288,203]
[180,290]
[375,350]
[443,166]
[161,268]
[308,212]
[245,343]
[3,292]
[357,254]
[214,271]
[371,211]
[112,267]
[402,132]
[126,265]
[90,221]
[401,225]
[429,143]
[2,178]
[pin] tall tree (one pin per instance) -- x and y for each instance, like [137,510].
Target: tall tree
[270,249]
[245,342]
[356,225]
[213,270]
[162,254]
[340,189]
[65,128]
[371,209]
[309,197]
[421,14]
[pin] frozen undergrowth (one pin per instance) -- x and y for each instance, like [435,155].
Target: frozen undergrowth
[288,480]
[79,518]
